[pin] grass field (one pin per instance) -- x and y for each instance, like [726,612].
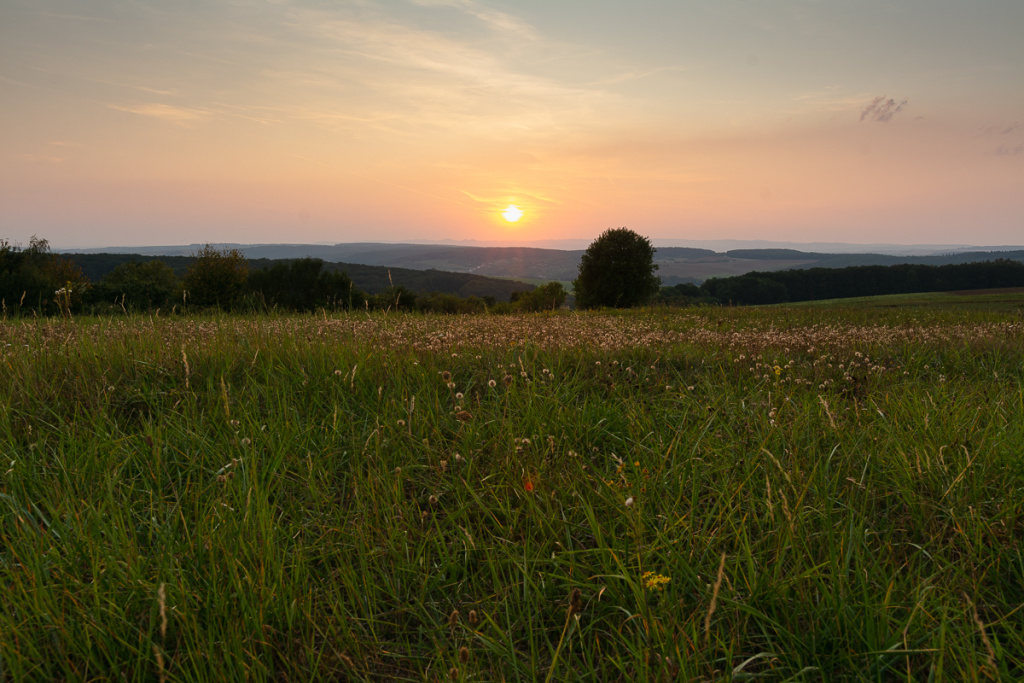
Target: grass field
[813,493]
[1009,300]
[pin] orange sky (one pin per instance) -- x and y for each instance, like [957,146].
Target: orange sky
[159,122]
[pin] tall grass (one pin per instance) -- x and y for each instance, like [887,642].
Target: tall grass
[785,494]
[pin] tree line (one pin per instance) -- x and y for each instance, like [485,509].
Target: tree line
[369,278]
[815,284]
[617,271]
[36,281]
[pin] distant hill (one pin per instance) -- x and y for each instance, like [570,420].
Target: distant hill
[676,265]
[376,279]
[821,260]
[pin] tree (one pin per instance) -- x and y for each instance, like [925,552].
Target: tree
[616,270]
[138,286]
[681,294]
[70,285]
[751,290]
[24,282]
[547,297]
[216,278]
[36,279]
[303,285]
[396,297]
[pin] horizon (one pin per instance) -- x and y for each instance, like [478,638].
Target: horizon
[501,122]
[720,246]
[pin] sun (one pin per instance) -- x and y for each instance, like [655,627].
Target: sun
[513,213]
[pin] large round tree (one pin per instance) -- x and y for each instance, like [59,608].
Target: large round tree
[617,270]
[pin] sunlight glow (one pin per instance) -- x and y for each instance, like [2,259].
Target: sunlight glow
[512,214]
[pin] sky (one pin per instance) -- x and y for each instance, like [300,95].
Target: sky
[150,122]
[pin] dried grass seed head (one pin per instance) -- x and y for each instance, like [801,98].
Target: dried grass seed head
[575,601]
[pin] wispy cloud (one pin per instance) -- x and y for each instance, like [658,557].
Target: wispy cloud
[498,21]
[832,99]
[640,75]
[156,91]
[415,70]
[518,194]
[378,67]
[882,109]
[66,16]
[164,112]
[41,158]
[1001,129]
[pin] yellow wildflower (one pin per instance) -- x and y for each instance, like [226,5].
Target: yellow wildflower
[654,582]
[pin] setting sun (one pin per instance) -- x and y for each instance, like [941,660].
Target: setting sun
[512,214]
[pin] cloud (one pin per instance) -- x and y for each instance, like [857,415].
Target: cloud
[1001,129]
[882,110]
[164,112]
[521,196]
[497,21]
[829,99]
[1007,150]
[386,71]
[41,158]
[156,91]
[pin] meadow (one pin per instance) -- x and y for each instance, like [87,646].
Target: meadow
[796,493]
